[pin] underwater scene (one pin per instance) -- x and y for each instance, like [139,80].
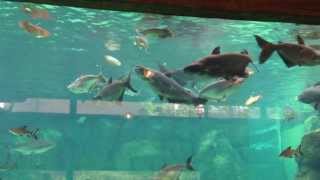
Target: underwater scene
[107,95]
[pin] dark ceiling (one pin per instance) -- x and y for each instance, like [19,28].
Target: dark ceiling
[296,11]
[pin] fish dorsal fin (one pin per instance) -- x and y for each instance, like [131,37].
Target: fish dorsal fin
[216,51]
[244,52]
[121,96]
[189,163]
[162,68]
[300,40]
[289,148]
[110,80]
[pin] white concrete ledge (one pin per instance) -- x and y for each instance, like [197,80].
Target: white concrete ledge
[38,105]
[129,175]
[150,109]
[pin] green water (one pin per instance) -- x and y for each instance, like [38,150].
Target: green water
[95,145]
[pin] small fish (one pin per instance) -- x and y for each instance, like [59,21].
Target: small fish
[112,60]
[23,131]
[290,153]
[35,12]
[291,54]
[37,31]
[158,32]
[221,90]
[289,113]
[112,45]
[141,42]
[34,147]
[8,163]
[252,100]
[173,172]
[115,90]
[87,83]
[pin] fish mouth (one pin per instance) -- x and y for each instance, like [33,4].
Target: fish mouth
[139,69]
[304,99]
[144,72]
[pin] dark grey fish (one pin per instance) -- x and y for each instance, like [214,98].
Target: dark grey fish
[291,54]
[222,65]
[167,88]
[311,95]
[114,90]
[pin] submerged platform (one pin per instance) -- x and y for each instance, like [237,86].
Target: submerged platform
[92,175]
[136,109]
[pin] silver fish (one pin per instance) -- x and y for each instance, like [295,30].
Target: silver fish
[221,90]
[87,83]
[167,88]
[34,147]
[115,90]
[311,95]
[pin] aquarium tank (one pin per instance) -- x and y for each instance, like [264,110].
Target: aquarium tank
[91,94]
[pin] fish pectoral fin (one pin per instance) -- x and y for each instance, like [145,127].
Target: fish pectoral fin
[174,100]
[300,39]
[194,68]
[110,80]
[223,99]
[286,61]
[131,88]
[121,97]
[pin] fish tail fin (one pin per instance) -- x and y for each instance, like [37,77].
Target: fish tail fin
[129,86]
[194,68]
[267,49]
[189,163]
